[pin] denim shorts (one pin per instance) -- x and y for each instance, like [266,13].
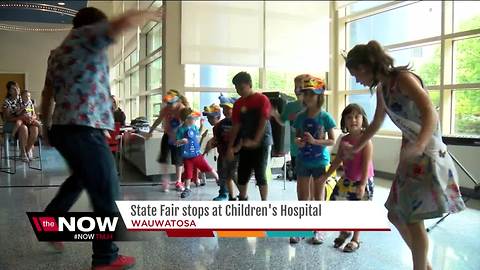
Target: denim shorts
[305,171]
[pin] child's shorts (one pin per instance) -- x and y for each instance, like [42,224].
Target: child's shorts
[256,160]
[198,162]
[227,169]
[175,152]
[346,190]
[304,171]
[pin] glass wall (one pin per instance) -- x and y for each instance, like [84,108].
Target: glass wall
[416,40]
[137,78]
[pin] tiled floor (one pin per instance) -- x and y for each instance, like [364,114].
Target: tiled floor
[454,244]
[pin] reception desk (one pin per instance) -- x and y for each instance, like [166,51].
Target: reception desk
[143,154]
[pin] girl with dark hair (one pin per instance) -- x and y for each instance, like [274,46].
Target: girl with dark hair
[426,181]
[357,181]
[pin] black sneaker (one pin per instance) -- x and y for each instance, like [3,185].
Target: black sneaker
[185,193]
[242,199]
[230,198]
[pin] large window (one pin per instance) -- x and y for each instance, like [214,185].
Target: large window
[213,76]
[412,34]
[271,40]
[127,110]
[283,81]
[466,60]
[364,5]
[127,86]
[115,88]
[368,102]
[134,57]
[217,76]
[154,74]
[198,100]
[137,78]
[422,59]
[131,60]
[153,70]
[154,103]
[466,15]
[205,83]
[121,90]
[387,28]
[466,112]
[134,83]
[133,108]
[278,80]
[115,72]
[154,38]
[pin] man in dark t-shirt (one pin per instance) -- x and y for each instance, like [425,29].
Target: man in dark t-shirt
[250,123]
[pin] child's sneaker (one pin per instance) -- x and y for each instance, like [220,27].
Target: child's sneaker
[122,262]
[317,238]
[230,198]
[185,193]
[203,180]
[179,186]
[221,197]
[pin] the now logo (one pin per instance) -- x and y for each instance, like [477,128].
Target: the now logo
[91,224]
[74,224]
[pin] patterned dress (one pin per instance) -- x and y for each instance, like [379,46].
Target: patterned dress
[426,186]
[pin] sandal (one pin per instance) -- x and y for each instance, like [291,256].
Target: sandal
[341,239]
[294,240]
[351,247]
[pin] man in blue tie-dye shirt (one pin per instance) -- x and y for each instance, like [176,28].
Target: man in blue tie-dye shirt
[77,82]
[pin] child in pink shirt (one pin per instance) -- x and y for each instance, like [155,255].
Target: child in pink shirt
[357,181]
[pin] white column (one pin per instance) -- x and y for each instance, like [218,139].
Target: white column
[173,76]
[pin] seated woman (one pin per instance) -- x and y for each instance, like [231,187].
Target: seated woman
[16,123]
[118,114]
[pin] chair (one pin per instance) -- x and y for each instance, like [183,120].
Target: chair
[6,157]
[5,150]
[38,157]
